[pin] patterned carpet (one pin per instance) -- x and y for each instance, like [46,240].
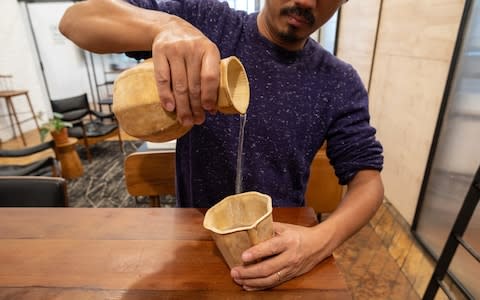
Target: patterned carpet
[103,181]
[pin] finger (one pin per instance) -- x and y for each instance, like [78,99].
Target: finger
[210,79]
[264,249]
[180,90]
[270,281]
[194,66]
[163,81]
[260,269]
[278,227]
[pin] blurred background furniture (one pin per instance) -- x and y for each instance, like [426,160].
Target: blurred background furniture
[105,69]
[323,193]
[33,191]
[30,161]
[7,92]
[150,173]
[89,126]
[108,100]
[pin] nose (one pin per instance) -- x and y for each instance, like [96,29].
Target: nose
[311,4]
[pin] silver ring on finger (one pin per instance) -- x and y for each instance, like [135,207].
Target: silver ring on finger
[279,276]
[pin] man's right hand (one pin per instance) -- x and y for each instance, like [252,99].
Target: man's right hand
[187,63]
[187,71]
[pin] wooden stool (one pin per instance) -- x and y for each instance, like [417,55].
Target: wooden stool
[67,155]
[7,95]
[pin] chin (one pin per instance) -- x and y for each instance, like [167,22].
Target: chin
[291,36]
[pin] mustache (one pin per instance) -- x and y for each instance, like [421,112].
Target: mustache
[305,13]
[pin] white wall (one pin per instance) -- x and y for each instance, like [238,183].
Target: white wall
[63,62]
[18,58]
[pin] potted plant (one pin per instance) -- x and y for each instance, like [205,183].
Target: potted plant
[56,127]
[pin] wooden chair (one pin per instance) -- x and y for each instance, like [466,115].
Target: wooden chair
[33,191]
[75,110]
[323,193]
[150,173]
[30,161]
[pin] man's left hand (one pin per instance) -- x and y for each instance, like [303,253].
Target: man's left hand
[293,251]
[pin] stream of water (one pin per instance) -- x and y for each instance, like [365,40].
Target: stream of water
[239,178]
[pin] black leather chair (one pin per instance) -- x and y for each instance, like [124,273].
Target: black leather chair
[42,166]
[89,126]
[33,191]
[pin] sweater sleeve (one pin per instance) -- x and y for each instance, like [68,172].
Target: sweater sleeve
[215,19]
[351,141]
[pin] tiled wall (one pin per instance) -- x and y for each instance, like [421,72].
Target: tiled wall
[411,59]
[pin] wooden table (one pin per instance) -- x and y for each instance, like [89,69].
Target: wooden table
[70,161]
[134,253]
[8,95]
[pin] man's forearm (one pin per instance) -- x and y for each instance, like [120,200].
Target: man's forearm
[363,198]
[108,26]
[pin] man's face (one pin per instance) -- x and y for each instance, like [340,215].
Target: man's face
[289,23]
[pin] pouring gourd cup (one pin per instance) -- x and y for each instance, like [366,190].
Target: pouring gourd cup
[238,222]
[137,106]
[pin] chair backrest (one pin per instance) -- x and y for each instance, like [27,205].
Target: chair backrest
[33,191]
[150,173]
[6,82]
[72,108]
[323,193]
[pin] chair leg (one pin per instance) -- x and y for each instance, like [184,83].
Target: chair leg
[66,195]
[85,141]
[154,201]
[120,142]
[57,169]
[54,171]
[87,149]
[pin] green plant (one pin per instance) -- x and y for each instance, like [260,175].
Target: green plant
[54,124]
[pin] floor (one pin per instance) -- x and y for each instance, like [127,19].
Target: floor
[370,271]
[379,262]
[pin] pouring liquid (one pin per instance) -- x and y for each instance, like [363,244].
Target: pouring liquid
[239,178]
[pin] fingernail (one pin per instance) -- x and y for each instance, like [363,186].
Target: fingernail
[169,106]
[234,274]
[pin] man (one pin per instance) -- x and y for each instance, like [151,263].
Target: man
[300,96]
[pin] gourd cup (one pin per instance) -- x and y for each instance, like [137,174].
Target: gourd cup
[238,222]
[139,112]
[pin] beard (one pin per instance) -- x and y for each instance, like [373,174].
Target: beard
[291,34]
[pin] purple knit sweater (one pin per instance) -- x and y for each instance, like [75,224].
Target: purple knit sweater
[298,100]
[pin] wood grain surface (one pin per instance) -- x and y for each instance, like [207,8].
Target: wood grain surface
[134,253]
